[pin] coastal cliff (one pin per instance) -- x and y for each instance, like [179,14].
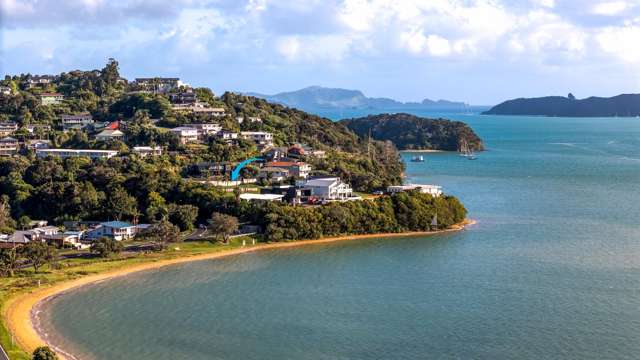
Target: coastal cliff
[409,132]
[625,105]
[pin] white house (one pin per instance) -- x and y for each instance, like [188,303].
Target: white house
[78,121]
[144,151]
[71,238]
[271,173]
[118,230]
[160,84]
[37,144]
[186,134]
[326,189]
[51,98]
[433,190]
[66,153]
[110,135]
[5,90]
[259,137]
[8,146]
[205,130]
[295,169]
[8,128]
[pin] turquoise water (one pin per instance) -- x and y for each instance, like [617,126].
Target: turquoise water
[551,270]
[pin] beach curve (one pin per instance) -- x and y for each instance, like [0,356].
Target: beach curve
[18,314]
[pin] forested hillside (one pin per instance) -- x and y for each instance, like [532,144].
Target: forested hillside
[409,132]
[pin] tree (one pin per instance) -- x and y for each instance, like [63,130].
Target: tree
[9,261]
[6,222]
[223,225]
[162,234]
[183,215]
[44,353]
[120,204]
[106,246]
[37,253]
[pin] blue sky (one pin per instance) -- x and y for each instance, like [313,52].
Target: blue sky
[479,51]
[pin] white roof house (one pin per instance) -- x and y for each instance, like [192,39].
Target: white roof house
[66,153]
[186,134]
[332,188]
[110,135]
[433,190]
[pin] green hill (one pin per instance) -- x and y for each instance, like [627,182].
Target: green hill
[409,132]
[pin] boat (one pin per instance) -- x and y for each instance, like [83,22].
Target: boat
[417,158]
[465,150]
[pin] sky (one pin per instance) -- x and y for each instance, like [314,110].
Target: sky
[478,51]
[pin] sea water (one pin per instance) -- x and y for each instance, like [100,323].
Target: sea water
[550,271]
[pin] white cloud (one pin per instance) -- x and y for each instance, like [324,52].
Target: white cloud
[610,8]
[621,43]
[438,46]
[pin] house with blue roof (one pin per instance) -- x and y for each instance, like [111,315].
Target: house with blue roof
[119,230]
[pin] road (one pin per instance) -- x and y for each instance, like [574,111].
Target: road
[3,354]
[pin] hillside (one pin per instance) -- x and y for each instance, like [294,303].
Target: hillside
[621,105]
[317,97]
[409,132]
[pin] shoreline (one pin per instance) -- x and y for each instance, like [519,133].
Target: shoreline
[425,151]
[20,311]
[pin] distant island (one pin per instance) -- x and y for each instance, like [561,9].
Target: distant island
[625,105]
[317,97]
[409,132]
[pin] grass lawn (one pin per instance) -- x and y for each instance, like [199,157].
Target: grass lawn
[25,280]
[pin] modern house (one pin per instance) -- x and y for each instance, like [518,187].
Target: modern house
[275,174]
[51,98]
[184,98]
[8,146]
[110,135]
[295,169]
[5,90]
[38,80]
[8,128]
[227,136]
[259,137]
[433,190]
[79,121]
[205,130]
[186,134]
[118,230]
[144,151]
[209,111]
[159,84]
[37,144]
[66,153]
[326,189]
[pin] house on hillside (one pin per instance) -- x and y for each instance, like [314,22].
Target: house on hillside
[205,130]
[259,137]
[295,169]
[185,134]
[184,98]
[66,153]
[5,90]
[37,144]
[8,146]
[275,174]
[38,80]
[8,128]
[51,98]
[144,151]
[433,190]
[79,121]
[110,135]
[325,189]
[159,84]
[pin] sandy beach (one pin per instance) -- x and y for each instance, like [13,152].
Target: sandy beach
[19,310]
